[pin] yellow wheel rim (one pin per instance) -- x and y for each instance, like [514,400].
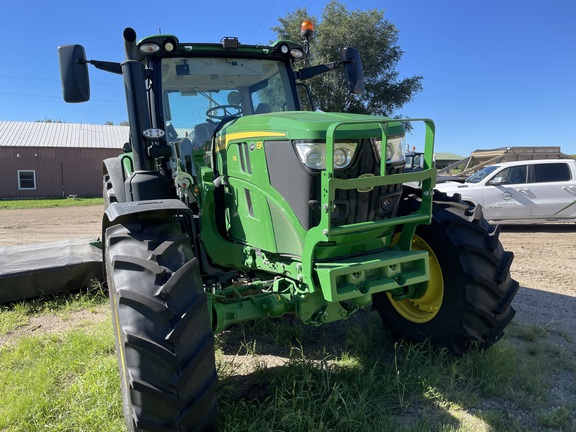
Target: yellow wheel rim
[425,308]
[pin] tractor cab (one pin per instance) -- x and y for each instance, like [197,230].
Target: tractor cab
[198,95]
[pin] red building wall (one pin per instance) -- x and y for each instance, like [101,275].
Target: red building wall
[59,172]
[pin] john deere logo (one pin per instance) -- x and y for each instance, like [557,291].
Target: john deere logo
[367,188]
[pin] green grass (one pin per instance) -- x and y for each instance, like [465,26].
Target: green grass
[344,377]
[46,203]
[59,382]
[369,383]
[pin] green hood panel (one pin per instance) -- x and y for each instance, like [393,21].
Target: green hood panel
[305,125]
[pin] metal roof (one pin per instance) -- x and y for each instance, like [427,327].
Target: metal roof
[447,156]
[70,135]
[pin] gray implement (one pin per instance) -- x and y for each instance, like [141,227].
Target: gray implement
[34,270]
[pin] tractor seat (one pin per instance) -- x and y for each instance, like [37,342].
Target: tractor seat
[201,135]
[262,108]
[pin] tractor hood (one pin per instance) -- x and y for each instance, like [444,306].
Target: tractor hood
[306,125]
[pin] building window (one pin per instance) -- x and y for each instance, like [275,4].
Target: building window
[26,180]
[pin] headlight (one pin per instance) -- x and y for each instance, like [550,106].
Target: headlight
[394,149]
[313,154]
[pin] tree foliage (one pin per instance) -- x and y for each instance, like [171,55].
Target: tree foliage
[49,120]
[376,39]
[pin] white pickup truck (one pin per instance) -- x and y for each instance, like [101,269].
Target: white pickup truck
[531,191]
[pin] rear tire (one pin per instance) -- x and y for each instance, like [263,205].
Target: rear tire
[164,341]
[467,300]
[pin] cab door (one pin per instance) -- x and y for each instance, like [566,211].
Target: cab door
[508,195]
[554,191]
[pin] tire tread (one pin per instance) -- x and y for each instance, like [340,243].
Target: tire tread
[163,328]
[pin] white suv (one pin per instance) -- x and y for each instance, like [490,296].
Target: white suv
[522,191]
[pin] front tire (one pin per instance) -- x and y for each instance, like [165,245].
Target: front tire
[467,299]
[164,341]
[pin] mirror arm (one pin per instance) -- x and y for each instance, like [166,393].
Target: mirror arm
[310,72]
[104,65]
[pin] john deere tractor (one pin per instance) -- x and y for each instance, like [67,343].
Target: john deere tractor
[231,202]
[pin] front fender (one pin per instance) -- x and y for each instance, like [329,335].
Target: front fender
[118,212]
[113,180]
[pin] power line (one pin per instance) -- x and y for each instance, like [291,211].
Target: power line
[27,78]
[53,97]
[266,16]
[263,19]
[51,80]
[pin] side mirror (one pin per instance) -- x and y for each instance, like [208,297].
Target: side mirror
[495,181]
[353,70]
[74,73]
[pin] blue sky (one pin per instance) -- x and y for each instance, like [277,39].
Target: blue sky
[497,73]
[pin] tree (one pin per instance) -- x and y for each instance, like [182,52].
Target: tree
[377,41]
[49,120]
[111,123]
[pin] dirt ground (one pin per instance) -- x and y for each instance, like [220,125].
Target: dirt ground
[52,224]
[544,263]
[545,266]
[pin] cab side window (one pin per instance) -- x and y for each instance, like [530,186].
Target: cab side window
[545,173]
[513,175]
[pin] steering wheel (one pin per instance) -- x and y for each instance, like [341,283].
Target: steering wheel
[213,112]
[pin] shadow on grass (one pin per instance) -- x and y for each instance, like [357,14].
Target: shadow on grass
[347,376]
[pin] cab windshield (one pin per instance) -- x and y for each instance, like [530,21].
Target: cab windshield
[203,91]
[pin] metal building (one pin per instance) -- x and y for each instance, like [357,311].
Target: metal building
[41,160]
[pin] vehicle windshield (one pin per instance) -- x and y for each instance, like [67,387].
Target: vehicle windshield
[203,91]
[481,175]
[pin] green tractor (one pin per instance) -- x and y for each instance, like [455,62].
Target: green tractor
[231,202]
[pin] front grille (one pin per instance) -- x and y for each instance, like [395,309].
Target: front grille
[352,206]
